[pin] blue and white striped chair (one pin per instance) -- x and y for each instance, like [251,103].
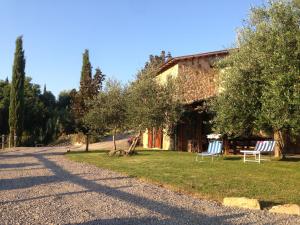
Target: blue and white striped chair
[260,147]
[214,149]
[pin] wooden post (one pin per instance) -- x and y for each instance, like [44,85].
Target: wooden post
[114,139]
[9,143]
[3,140]
[15,140]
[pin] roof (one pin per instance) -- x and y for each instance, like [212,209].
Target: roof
[175,60]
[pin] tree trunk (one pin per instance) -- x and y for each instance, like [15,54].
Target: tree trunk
[279,137]
[87,141]
[226,145]
[114,139]
[12,139]
[287,146]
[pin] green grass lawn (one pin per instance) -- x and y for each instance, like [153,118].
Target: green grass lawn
[271,182]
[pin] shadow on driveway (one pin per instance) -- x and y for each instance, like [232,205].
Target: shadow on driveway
[174,214]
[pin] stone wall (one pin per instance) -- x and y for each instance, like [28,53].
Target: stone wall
[197,79]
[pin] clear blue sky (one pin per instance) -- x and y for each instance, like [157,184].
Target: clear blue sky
[120,34]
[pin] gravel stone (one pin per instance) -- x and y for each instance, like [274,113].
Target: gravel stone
[41,186]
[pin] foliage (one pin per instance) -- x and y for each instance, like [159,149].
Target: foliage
[34,112]
[4,106]
[143,104]
[237,108]
[151,104]
[98,80]
[66,121]
[44,118]
[41,115]
[261,82]
[152,65]
[49,115]
[16,107]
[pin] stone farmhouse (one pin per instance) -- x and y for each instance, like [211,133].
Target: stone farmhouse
[197,79]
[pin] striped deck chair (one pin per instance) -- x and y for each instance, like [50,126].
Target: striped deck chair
[260,147]
[214,149]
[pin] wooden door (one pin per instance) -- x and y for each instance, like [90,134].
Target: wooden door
[158,138]
[150,138]
[155,138]
[181,137]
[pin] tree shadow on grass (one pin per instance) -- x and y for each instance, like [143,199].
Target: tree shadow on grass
[114,178]
[86,152]
[232,158]
[137,154]
[290,159]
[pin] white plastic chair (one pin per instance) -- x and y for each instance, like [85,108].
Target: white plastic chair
[260,147]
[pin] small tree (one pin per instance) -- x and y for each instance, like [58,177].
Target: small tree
[260,82]
[151,104]
[16,107]
[108,110]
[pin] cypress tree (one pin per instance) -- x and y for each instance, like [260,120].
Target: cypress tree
[89,88]
[16,107]
[86,75]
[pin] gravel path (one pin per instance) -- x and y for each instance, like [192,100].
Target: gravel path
[41,186]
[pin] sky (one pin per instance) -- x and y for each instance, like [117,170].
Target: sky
[120,34]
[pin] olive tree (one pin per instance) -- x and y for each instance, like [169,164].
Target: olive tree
[260,81]
[108,110]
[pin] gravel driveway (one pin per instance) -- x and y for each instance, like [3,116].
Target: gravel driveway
[41,186]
